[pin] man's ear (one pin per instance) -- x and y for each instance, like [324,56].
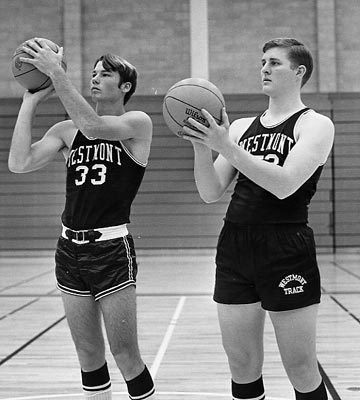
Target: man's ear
[125,87]
[301,71]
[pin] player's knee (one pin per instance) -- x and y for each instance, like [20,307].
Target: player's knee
[125,356]
[300,370]
[245,364]
[89,352]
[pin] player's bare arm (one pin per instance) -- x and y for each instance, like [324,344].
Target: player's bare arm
[213,178]
[315,138]
[131,125]
[25,156]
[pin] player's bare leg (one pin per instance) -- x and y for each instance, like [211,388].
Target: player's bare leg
[242,329]
[296,337]
[84,319]
[119,311]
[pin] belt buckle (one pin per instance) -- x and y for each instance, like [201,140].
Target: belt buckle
[82,236]
[70,234]
[92,235]
[75,235]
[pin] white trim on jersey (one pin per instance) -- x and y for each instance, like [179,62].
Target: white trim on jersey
[127,151]
[70,148]
[296,137]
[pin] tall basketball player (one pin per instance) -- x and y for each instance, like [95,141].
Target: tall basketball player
[266,258]
[106,152]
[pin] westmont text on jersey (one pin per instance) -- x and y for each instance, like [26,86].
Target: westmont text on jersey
[95,152]
[278,142]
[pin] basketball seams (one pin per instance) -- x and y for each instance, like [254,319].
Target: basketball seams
[187,98]
[199,86]
[24,73]
[28,75]
[169,115]
[42,85]
[190,105]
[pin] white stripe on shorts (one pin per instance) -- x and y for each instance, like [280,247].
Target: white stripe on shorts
[82,293]
[128,253]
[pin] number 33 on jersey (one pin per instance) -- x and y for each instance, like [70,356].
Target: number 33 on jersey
[100,169]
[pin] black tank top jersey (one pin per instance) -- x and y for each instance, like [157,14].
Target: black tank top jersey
[251,204]
[101,184]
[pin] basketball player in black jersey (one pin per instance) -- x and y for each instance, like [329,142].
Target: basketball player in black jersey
[266,259]
[106,153]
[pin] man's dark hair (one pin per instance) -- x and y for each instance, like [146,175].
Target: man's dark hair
[298,54]
[127,71]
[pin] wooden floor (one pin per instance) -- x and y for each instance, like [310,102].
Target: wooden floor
[178,330]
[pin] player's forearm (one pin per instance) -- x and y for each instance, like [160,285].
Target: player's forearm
[79,110]
[268,175]
[20,148]
[206,178]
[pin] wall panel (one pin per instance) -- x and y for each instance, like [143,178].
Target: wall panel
[168,212]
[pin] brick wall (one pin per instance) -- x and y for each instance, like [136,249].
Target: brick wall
[348,45]
[21,20]
[238,31]
[151,34]
[155,36]
[168,212]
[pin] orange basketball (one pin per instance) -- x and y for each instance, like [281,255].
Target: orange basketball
[29,76]
[186,99]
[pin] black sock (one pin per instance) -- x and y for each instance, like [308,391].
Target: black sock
[141,386]
[317,394]
[243,391]
[96,381]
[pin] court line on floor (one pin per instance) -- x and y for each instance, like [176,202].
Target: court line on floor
[31,278]
[29,303]
[352,315]
[180,394]
[166,340]
[329,385]
[338,266]
[7,358]
[55,293]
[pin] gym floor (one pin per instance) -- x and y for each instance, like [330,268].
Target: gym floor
[178,330]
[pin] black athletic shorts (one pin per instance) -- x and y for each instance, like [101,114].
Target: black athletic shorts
[273,264]
[95,269]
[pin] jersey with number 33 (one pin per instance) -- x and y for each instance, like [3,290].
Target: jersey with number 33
[250,203]
[102,181]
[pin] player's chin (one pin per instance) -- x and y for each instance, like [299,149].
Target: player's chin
[95,94]
[266,89]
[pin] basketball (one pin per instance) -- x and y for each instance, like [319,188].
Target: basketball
[26,74]
[186,98]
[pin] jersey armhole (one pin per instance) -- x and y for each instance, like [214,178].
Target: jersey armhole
[296,136]
[70,147]
[128,152]
[250,121]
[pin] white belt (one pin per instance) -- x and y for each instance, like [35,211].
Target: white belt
[94,235]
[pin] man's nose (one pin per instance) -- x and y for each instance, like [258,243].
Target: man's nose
[265,68]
